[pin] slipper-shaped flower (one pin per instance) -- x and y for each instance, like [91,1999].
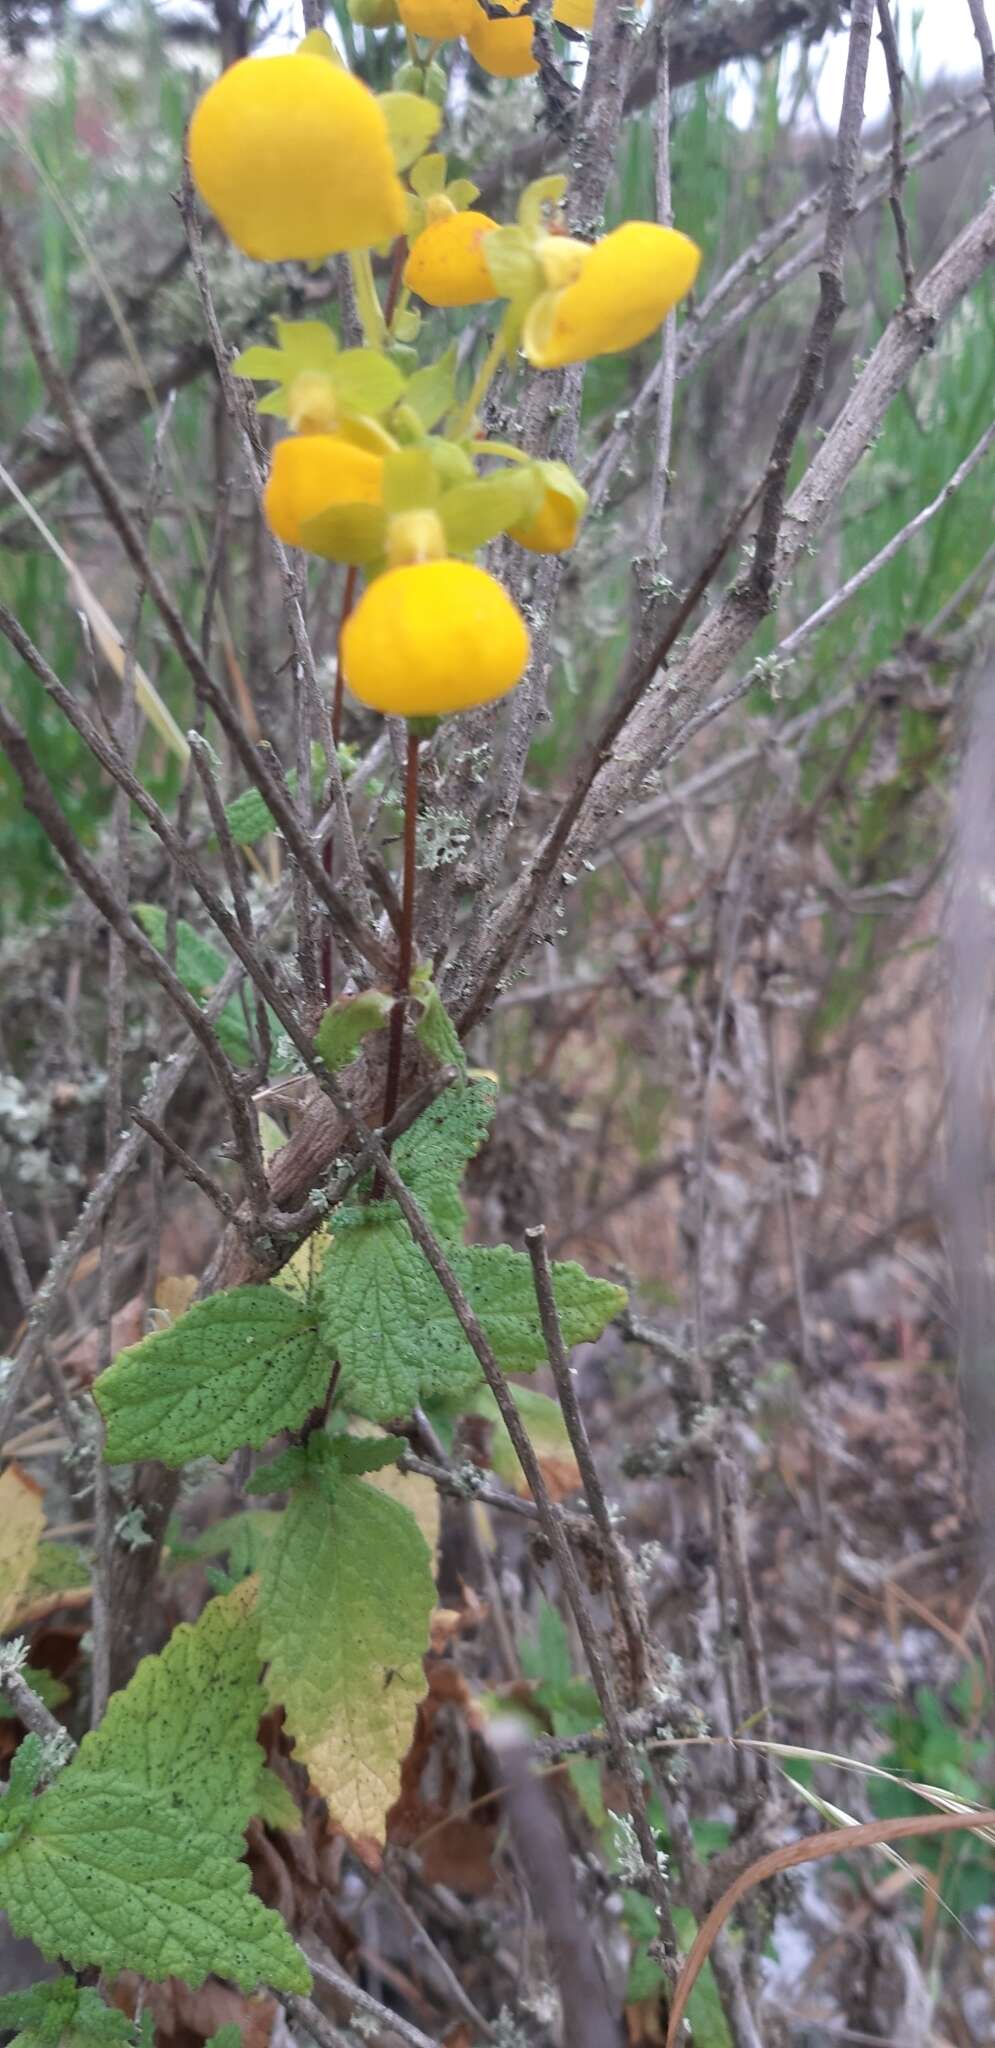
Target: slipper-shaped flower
[578,14]
[433,637]
[437,20]
[292,155]
[624,288]
[446,265]
[552,528]
[502,44]
[310,472]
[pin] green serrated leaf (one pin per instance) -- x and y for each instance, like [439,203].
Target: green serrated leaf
[200,967]
[243,1537]
[473,514]
[226,2037]
[233,1370]
[345,1602]
[435,1029]
[275,1803]
[500,1285]
[355,1455]
[431,391]
[366,381]
[432,1155]
[388,1321]
[130,1861]
[411,124]
[113,1875]
[62,2014]
[346,1023]
[185,1724]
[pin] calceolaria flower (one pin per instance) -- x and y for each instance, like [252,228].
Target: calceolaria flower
[447,266]
[575,14]
[502,43]
[604,298]
[437,20]
[311,472]
[432,637]
[293,156]
[552,527]
[321,388]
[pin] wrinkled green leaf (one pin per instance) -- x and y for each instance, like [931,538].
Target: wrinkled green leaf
[346,1023]
[345,1602]
[233,1370]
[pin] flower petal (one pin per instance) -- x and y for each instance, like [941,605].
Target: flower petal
[447,266]
[628,285]
[431,638]
[501,44]
[309,472]
[292,155]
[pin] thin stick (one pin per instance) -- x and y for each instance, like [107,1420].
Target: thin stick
[33,1711]
[395,1046]
[328,851]
[979,22]
[626,1600]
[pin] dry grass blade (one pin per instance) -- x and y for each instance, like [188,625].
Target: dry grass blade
[814,1849]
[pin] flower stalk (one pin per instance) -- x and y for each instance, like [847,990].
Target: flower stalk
[395,1046]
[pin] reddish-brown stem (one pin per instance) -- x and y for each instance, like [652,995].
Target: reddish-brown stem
[395,1044]
[328,850]
[396,274]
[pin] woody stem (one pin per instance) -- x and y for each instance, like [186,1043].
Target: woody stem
[395,1044]
[328,851]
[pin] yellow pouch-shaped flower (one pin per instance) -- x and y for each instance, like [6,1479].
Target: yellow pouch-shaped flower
[433,637]
[446,266]
[293,156]
[577,14]
[438,20]
[552,529]
[312,471]
[502,45]
[627,285]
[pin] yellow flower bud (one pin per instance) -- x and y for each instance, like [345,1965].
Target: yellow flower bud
[552,529]
[438,20]
[414,537]
[577,14]
[628,285]
[309,472]
[446,266]
[502,46]
[311,398]
[292,155]
[432,638]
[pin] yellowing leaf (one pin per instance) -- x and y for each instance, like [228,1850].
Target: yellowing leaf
[344,1606]
[411,1490]
[22,1519]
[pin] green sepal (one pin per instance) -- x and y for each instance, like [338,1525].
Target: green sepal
[543,194]
[318,43]
[473,514]
[410,482]
[345,1024]
[511,259]
[406,325]
[354,534]
[411,123]
[429,176]
[366,381]
[431,391]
